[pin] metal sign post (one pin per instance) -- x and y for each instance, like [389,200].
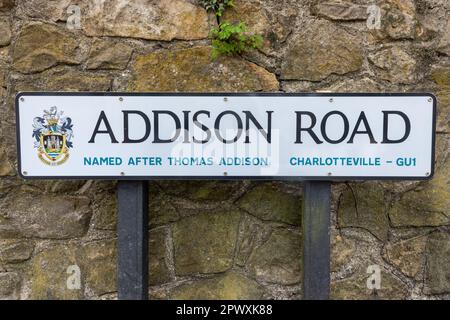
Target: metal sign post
[133,240]
[132,231]
[316,240]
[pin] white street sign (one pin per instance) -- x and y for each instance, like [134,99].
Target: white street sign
[255,136]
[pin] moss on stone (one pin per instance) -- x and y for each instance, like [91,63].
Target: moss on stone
[267,202]
[193,70]
[441,76]
[279,259]
[230,286]
[407,255]
[205,242]
[200,190]
[158,268]
[47,275]
[41,46]
[308,59]
[438,261]
[47,272]
[15,251]
[355,288]
[427,205]
[363,205]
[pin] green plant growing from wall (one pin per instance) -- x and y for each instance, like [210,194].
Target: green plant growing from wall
[217,6]
[231,39]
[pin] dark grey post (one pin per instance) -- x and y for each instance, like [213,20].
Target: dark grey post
[316,240]
[132,240]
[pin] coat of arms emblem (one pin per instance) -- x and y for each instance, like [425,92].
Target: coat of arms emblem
[53,135]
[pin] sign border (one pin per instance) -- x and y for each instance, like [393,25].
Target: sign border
[226,94]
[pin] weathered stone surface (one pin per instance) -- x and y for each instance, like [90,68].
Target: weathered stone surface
[348,290]
[407,255]
[47,274]
[44,216]
[337,52]
[2,77]
[351,275]
[63,79]
[64,186]
[362,205]
[53,188]
[278,260]
[107,55]
[444,43]
[5,31]
[272,19]
[427,205]
[205,243]
[399,19]
[442,152]
[298,86]
[156,293]
[6,4]
[161,210]
[230,286]
[98,261]
[200,190]
[355,288]
[78,81]
[2,95]
[341,10]
[6,168]
[355,85]
[268,202]
[251,234]
[342,250]
[193,70]
[9,184]
[7,143]
[404,214]
[435,16]
[395,65]
[251,13]
[50,10]
[42,46]
[14,251]
[158,269]
[441,76]
[147,19]
[4,55]
[104,205]
[438,260]
[434,212]
[9,285]
[104,212]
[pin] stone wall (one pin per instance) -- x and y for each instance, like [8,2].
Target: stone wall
[224,239]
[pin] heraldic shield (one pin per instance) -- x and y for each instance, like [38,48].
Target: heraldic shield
[53,134]
[53,145]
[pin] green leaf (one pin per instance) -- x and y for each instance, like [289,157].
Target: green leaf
[230,39]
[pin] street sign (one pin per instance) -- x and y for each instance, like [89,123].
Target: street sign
[225,136]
